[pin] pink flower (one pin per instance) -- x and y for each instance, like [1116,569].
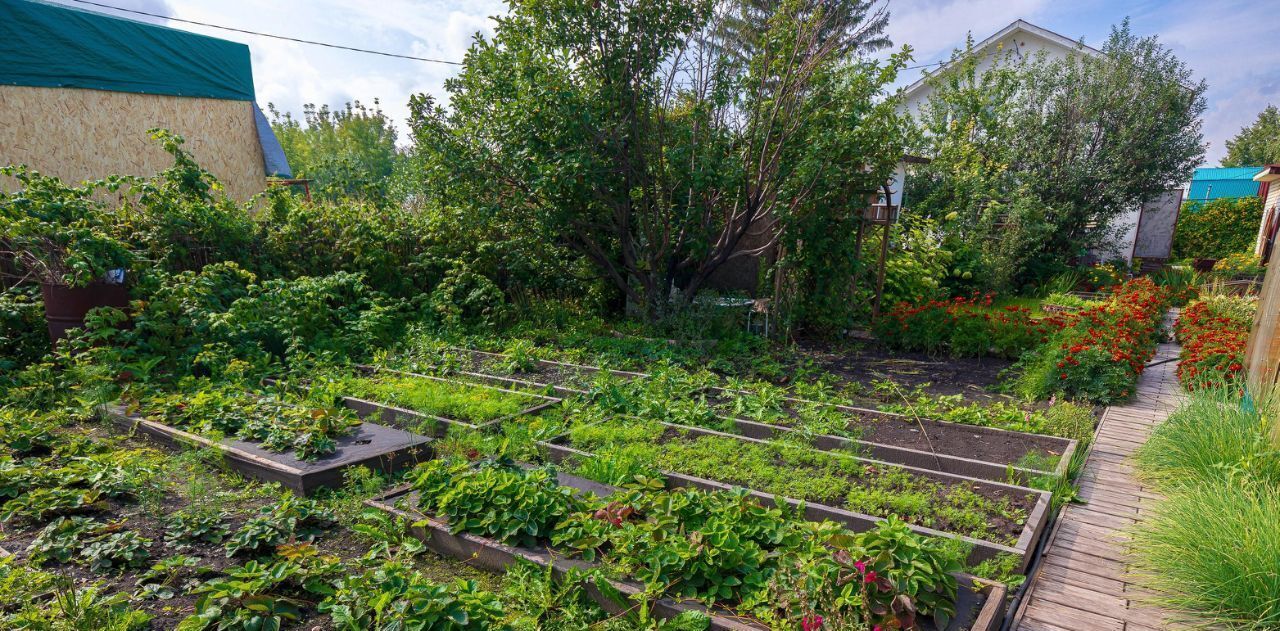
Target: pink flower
[811,622]
[861,566]
[870,577]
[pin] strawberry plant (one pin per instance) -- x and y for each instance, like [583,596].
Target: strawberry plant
[494,499]
[290,519]
[392,596]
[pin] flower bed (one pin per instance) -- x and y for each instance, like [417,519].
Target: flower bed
[517,368]
[748,565]
[967,327]
[1098,353]
[1214,334]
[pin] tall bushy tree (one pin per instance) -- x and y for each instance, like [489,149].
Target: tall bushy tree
[350,153]
[1257,144]
[618,129]
[1036,159]
[1097,135]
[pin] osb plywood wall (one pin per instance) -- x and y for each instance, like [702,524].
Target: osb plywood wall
[1262,358]
[88,134]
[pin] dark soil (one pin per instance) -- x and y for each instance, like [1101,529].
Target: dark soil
[974,378]
[147,519]
[922,435]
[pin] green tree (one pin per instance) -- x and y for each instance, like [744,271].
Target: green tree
[616,129]
[348,153]
[1049,152]
[1257,144]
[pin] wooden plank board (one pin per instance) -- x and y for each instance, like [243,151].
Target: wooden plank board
[1084,580]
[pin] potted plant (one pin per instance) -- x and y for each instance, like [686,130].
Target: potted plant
[58,236]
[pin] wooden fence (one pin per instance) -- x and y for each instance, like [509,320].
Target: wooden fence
[1263,356]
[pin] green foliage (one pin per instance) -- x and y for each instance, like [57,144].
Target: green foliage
[288,520]
[1024,176]
[497,500]
[804,474]
[23,339]
[472,403]
[1239,264]
[393,596]
[59,233]
[259,596]
[1207,546]
[1258,144]
[348,153]
[588,148]
[1217,228]
[279,425]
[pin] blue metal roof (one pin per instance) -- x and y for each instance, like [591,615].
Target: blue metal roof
[1216,183]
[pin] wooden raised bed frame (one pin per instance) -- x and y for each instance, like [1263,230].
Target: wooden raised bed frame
[979,606]
[392,415]
[1037,518]
[381,448]
[946,463]
[623,375]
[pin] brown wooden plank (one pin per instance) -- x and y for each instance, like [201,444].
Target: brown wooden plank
[1082,561]
[1083,599]
[1063,574]
[1103,520]
[1053,613]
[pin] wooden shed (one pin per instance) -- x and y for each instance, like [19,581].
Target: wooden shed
[79,91]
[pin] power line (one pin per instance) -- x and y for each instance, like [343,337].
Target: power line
[282,37]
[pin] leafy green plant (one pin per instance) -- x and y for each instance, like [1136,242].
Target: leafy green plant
[59,233]
[497,500]
[22,336]
[252,597]
[192,525]
[392,596]
[116,550]
[290,519]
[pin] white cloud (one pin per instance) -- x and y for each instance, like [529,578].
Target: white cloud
[934,28]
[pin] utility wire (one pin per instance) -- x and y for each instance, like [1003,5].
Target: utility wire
[283,37]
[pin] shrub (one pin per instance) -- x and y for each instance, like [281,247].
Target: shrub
[22,332]
[1214,333]
[1239,264]
[1217,228]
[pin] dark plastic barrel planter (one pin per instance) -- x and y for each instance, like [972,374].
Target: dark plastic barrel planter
[65,307]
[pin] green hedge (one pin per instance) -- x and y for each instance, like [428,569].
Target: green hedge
[1217,228]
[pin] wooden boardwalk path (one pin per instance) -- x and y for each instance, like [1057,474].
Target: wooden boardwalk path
[1083,582]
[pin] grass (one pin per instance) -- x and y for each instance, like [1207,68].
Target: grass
[1211,548]
[457,401]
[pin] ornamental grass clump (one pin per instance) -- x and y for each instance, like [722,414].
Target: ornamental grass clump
[1214,333]
[1210,548]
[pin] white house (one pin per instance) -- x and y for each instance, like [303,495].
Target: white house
[1022,40]
[1019,40]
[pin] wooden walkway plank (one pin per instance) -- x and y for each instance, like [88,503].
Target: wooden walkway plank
[1083,581]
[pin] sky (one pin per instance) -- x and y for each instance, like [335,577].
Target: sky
[1224,42]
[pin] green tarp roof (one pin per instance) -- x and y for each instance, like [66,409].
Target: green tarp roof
[54,46]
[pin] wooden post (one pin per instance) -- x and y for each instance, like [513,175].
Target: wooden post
[1262,358]
[884,253]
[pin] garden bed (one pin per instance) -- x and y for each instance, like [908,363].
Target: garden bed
[980,607]
[975,451]
[564,378]
[994,517]
[448,403]
[975,378]
[370,445]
